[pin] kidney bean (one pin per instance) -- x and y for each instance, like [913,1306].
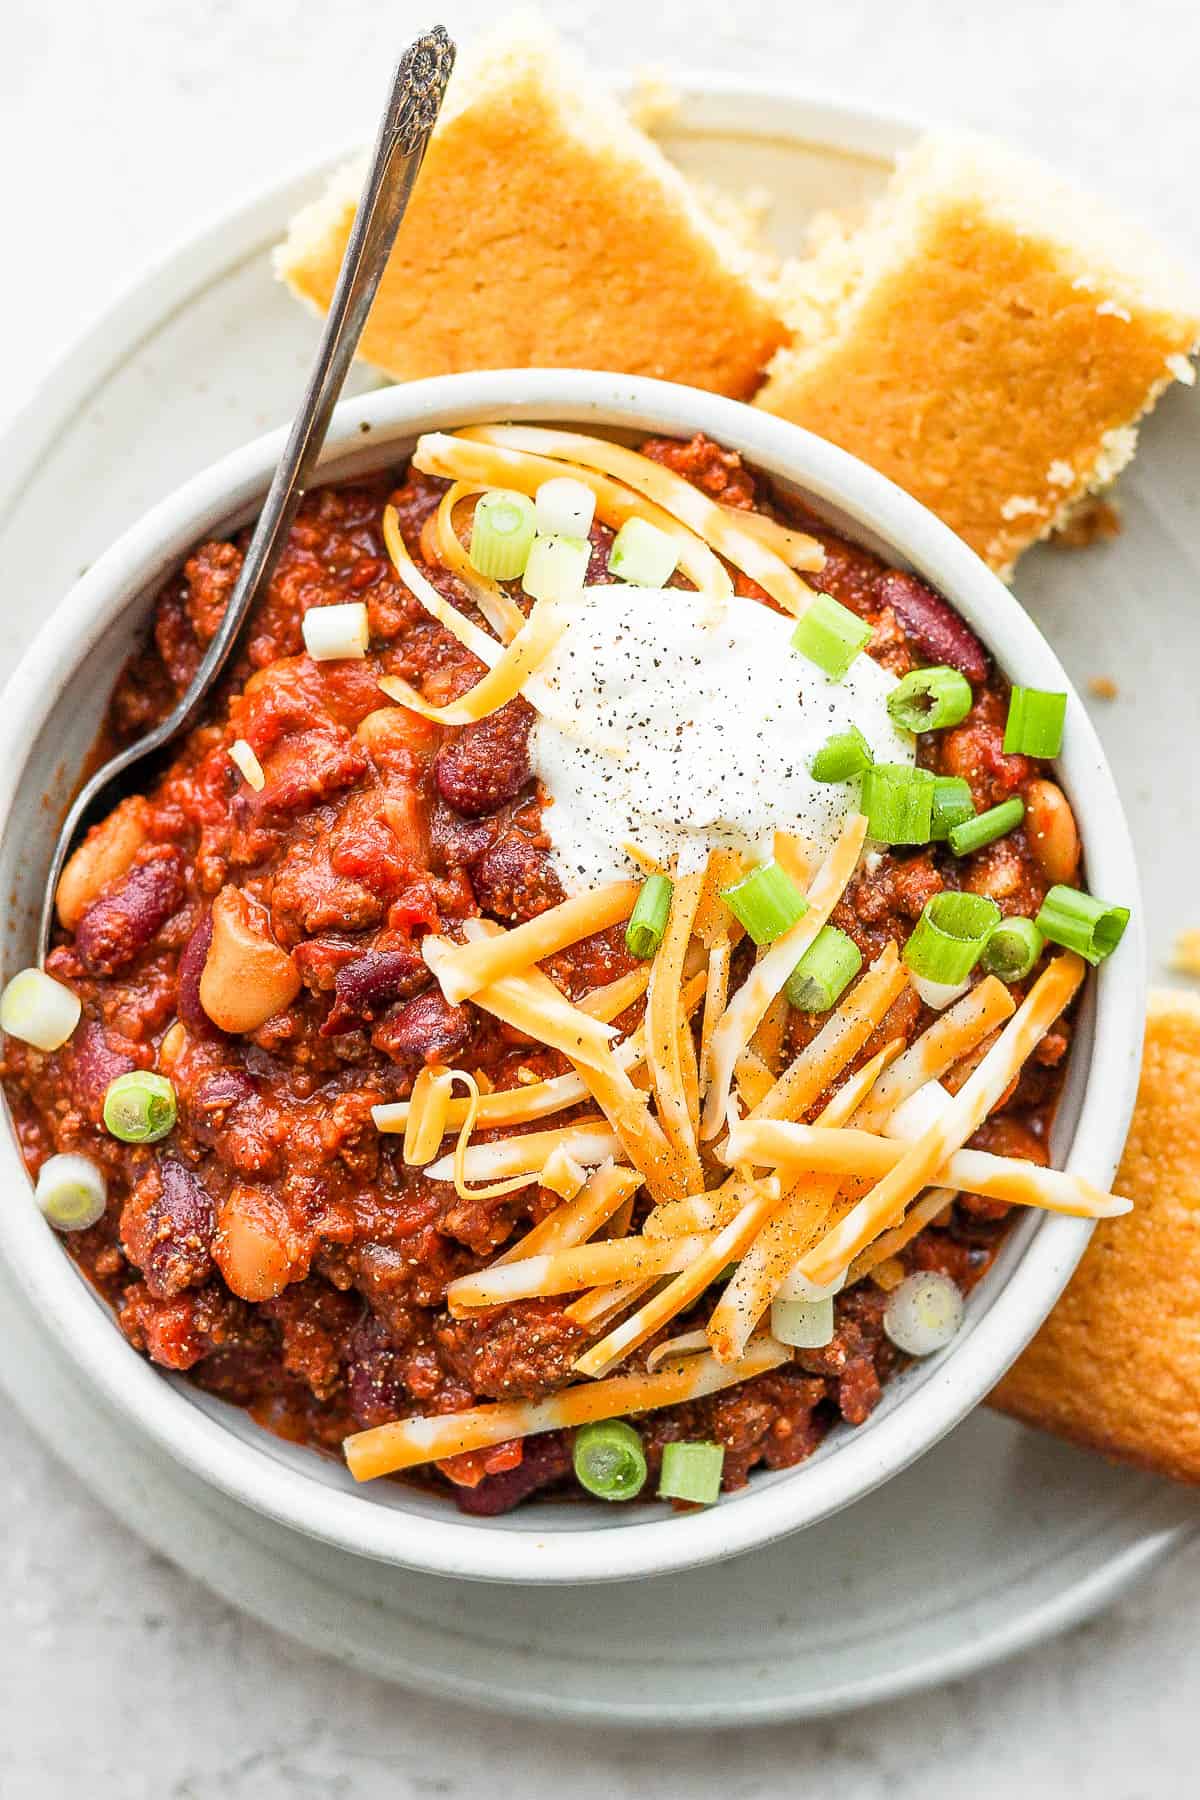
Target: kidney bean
[374,1375]
[91,1065]
[934,627]
[192,959]
[362,989]
[547,1458]
[224,1088]
[483,765]
[167,1230]
[455,842]
[427,1029]
[118,925]
[515,880]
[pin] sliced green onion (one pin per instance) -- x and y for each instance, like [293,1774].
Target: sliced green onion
[949,936]
[1012,949]
[805,1324]
[1079,922]
[1035,723]
[986,827]
[767,902]
[139,1108]
[952,804]
[923,1313]
[830,635]
[648,920]
[564,508]
[643,554]
[336,633]
[501,534]
[71,1192]
[39,1010]
[692,1472]
[824,972]
[609,1460]
[898,803]
[841,757]
[930,700]
[557,568]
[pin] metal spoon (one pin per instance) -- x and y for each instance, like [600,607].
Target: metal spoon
[413,105]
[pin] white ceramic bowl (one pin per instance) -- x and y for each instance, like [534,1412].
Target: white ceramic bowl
[50,714]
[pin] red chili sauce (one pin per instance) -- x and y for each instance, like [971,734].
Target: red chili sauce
[275,1246]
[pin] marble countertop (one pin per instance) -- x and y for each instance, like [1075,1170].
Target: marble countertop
[135,121]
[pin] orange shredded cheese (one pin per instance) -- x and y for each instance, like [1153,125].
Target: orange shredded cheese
[919,1164]
[386,1449]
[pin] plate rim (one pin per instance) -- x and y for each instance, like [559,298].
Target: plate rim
[141,305]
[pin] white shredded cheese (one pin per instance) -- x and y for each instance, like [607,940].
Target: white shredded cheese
[243,758]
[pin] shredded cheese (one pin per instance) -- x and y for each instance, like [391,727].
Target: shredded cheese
[770,1258]
[760,1200]
[498,608]
[462,969]
[952,1036]
[664,1018]
[839,1040]
[596,1310]
[542,1014]
[562,1175]
[919,1163]
[593,1205]
[589,1141]
[386,1449]
[921,1213]
[719,526]
[747,1007]
[468,634]
[565,1271]
[503,681]
[487,465]
[241,754]
[814,1150]
[426,1123]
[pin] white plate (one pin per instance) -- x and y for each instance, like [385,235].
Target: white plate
[996,1538]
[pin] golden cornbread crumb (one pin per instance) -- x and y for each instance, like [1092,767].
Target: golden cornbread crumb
[653,101]
[986,337]
[546,230]
[1092,520]
[1187,953]
[1116,1367]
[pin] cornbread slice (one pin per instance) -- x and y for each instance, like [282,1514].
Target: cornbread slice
[987,337]
[546,230]
[1116,1367]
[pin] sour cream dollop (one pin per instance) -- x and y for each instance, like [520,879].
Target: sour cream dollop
[681,726]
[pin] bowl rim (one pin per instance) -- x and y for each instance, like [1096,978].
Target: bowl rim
[913,1417]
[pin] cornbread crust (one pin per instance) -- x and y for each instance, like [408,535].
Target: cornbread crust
[986,337]
[546,231]
[1116,1367]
